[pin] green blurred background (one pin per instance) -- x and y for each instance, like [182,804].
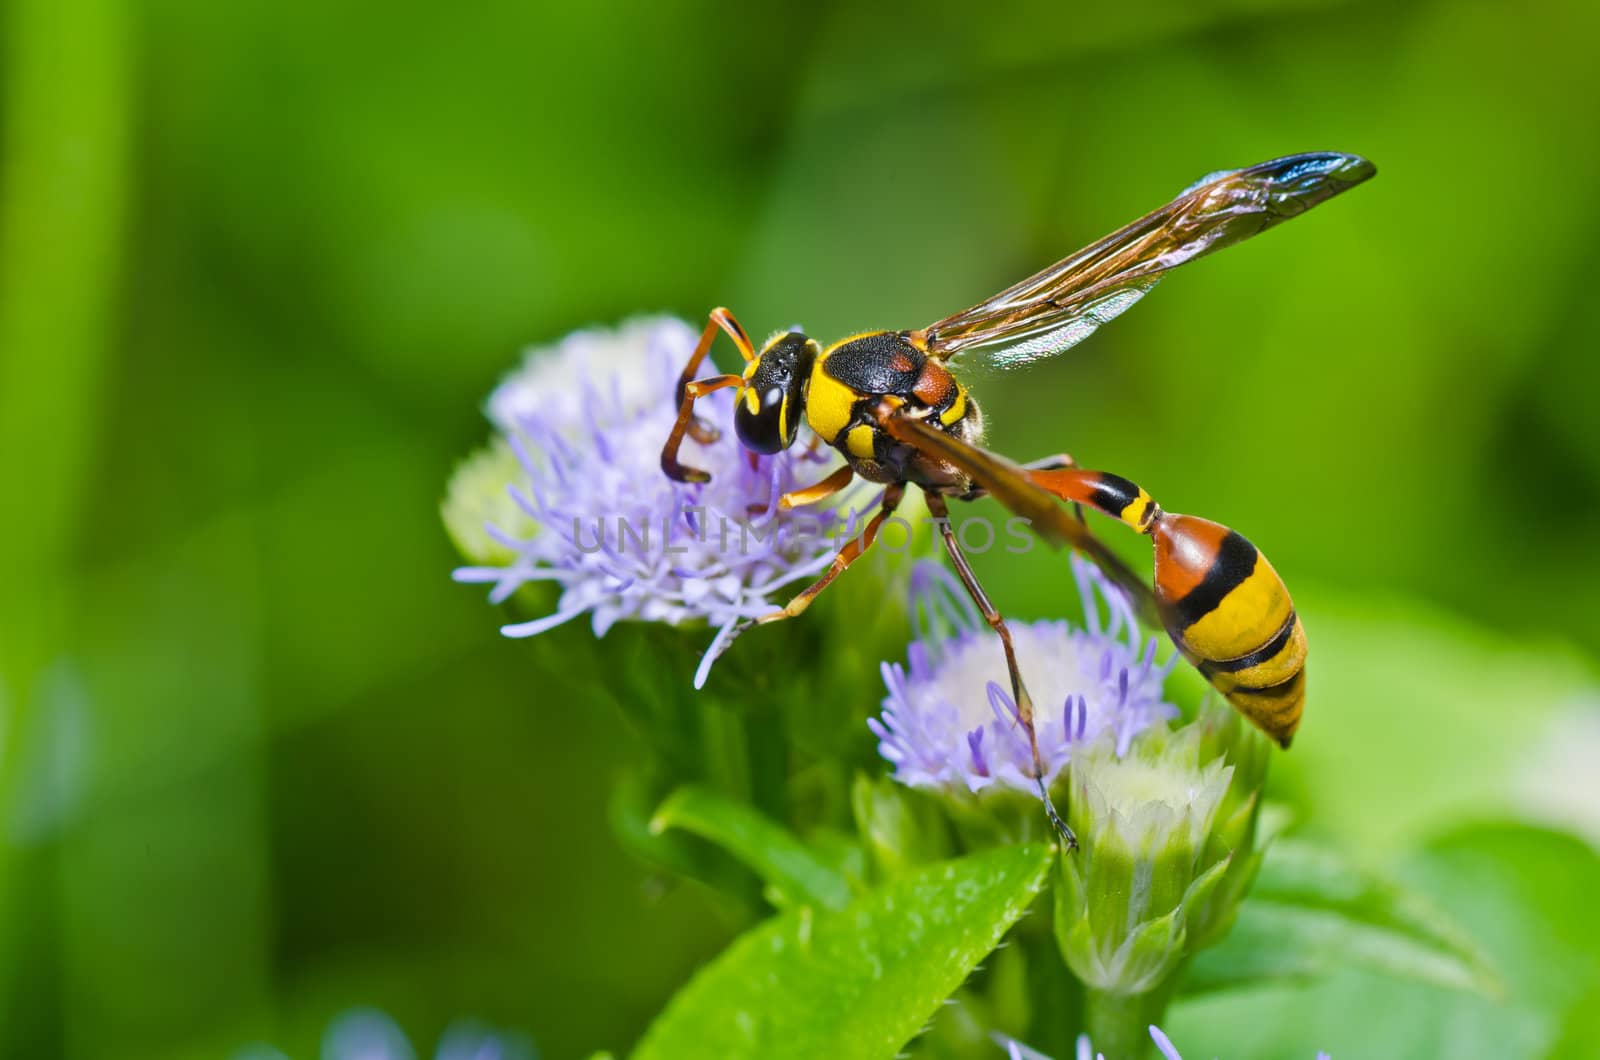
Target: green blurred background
[261,263]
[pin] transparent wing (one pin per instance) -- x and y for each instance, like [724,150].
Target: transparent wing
[1008,483]
[1061,306]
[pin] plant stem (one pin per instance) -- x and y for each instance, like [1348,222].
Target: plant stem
[1055,995]
[1119,1024]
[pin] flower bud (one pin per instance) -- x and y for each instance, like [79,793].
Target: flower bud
[478,511]
[1144,821]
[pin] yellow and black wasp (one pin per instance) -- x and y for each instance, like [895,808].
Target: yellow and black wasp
[888,401]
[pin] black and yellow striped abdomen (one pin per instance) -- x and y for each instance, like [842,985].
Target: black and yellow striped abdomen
[1230,614]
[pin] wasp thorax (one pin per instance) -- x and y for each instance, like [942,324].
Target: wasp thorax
[772,399]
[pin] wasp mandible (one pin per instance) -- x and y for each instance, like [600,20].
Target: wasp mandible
[889,402]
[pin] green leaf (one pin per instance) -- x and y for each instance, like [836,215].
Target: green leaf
[857,983]
[1312,912]
[681,855]
[793,874]
[1529,896]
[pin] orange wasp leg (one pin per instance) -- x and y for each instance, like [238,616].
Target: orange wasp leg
[821,491]
[1222,603]
[1019,692]
[847,555]
[689,390]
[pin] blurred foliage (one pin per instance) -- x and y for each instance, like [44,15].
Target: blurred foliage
[1525,893]
[260,263]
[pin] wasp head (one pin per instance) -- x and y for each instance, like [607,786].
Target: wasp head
[772,399]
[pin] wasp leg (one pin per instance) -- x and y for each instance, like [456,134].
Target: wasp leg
[847,555]
[810,495]
[1222,603]
[1057,462]
[689,389]
[691,393]
[1019,692]
[821,491]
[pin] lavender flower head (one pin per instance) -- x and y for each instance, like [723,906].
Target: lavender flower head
[586,505]
[948,721]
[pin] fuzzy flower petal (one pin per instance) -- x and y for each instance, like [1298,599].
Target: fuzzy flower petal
[586,506]
[948,720]
[1163,1043]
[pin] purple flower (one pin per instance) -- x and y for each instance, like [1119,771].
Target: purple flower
[591,511]
[949,721]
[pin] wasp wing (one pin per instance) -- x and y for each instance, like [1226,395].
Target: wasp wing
[1008,483]
[1061,306]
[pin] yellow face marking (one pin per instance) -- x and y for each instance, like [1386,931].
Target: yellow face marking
[957,409]
[1247,617]
[859,442]
[752,401]
[828,404]
[783,420]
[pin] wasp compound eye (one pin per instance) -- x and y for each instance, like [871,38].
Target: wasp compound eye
[772,402]
[759,420]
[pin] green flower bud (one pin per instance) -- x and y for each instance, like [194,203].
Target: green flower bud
[1237,835]
[477,498]
[1169,847]
[1144,821]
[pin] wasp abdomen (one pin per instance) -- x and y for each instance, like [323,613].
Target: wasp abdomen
[1230,614]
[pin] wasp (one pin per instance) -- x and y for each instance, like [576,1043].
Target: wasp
[891,404]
